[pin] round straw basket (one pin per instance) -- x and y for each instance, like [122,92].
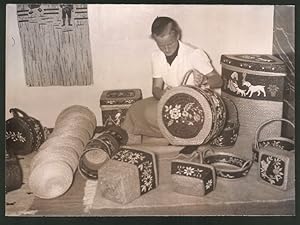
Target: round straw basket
[51,179]
[77,110]
[94,156]
[228,136]
[280,143]
[188,115]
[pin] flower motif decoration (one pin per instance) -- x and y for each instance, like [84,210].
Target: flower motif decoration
[188,171]
[208,184]
[272,169]
[144,164]
[14,136]
[273,89]
[187,114]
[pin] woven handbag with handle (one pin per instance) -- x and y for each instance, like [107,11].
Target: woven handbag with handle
[24,134]
[229,135]
[282,143]
[189,115]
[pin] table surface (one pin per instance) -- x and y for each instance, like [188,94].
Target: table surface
[71,203]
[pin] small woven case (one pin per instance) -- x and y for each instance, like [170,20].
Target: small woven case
[280,143]
[129,174]
[191,178]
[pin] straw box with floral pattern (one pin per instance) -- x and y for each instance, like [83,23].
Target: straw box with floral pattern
[129,174]
[276,167]
[192,178]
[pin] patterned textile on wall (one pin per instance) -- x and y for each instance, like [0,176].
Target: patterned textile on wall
[56,45]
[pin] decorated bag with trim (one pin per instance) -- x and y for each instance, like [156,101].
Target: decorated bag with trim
[276,142]
[189,115]
[24,134]
[229,135]
[130,173]
[192,178]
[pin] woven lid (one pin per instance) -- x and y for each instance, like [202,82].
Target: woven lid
[120,96]
[256,62]
[184,113]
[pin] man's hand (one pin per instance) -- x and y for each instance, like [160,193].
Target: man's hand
[200,80]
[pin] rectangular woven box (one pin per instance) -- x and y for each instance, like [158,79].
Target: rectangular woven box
[255,83]
[115,103]
[129,174]
[276,167]
[192,178]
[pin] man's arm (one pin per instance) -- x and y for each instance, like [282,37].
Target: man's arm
[214,80]
[157,87]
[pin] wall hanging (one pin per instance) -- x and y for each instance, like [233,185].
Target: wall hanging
[55,43]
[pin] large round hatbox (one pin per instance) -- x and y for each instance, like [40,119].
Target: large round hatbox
[188,115]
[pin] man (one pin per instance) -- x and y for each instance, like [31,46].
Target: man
[169,65]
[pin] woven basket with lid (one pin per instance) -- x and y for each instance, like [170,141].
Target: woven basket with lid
[189,115]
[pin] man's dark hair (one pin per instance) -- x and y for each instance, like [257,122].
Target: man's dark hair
[160,24]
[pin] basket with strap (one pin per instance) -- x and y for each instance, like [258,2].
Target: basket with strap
[229,135]
[281,143]
[189,115]
[24,134]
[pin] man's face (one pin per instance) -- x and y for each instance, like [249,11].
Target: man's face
[167,42]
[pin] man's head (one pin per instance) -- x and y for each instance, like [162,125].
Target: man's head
[166,33]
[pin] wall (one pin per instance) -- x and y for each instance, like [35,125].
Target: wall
[284,48]
[121,49]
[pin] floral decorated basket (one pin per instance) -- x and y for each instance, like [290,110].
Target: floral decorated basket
[130,173]
[192,178]
[280,143]
[276,167]
[24,134]
[229,135]
[189,115]
[115,103]
[227,165]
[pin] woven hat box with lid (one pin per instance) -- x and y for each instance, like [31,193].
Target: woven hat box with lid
[189,115]
[255,83]
[115,103]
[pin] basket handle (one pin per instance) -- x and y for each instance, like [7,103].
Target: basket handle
[258,130]
[17,112]
[203,154]
[228,100]
[187,76]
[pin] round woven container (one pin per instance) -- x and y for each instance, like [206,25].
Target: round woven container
[50,180]
[81,134]
[280,143]
[77,110]
[188,115]
[56,153]
[58,141]
[75,123]
[118,133]
[228,136]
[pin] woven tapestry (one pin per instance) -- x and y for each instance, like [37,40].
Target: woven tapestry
[55,43]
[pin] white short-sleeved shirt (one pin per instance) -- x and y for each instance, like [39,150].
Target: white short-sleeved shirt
[188,58]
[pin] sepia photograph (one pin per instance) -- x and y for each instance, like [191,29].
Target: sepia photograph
[124,110]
